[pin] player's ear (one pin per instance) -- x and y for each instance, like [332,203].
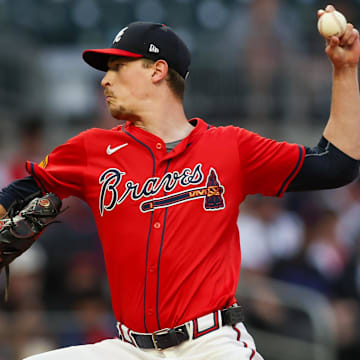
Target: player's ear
[160,70]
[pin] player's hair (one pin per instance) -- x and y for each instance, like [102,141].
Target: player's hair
[175,80]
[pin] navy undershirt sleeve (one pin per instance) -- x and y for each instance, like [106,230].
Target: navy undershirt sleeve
[18,191]
[324,167]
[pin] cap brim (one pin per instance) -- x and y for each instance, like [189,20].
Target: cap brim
[98,58]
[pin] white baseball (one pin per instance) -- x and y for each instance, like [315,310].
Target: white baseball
[332,23]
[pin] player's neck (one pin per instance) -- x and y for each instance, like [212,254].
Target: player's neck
[167,121]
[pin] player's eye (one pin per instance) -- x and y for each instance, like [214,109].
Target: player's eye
[115,67]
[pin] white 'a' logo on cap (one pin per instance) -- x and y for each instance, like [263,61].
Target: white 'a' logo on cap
[120,34]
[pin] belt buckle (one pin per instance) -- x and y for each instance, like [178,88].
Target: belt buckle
[159,332]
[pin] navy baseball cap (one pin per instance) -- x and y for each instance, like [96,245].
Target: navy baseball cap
[144,40]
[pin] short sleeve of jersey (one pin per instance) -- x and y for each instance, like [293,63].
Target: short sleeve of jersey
[269,166]
[62,171]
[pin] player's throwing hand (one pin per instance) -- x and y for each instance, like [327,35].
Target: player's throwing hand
[343,51]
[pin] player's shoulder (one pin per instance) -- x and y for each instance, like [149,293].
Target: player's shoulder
[229,130]
[237,136]
[95,132]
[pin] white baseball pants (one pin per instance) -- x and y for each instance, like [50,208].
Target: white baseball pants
[225,343]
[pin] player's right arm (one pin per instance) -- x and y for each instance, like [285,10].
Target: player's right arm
[23,218]
[60,173]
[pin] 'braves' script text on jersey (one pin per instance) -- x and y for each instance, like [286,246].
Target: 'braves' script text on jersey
[111,178]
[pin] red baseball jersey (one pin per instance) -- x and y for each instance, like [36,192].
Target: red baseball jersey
[167,221]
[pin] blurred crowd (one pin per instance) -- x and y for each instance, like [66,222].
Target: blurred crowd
[273,77]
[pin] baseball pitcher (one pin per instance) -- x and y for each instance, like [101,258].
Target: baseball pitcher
[165,192]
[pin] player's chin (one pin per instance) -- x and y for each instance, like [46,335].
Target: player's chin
[119,113]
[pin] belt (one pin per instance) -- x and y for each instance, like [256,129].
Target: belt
[165,338]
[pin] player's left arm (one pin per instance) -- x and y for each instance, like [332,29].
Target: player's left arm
[334,162]
[343,127]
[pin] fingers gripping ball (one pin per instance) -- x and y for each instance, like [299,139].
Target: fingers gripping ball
[332,23]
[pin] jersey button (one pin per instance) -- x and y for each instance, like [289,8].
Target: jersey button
[157,225]
[152,268]
[158,146]
[150,313]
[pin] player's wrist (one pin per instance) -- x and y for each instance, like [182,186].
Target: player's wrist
[344,70]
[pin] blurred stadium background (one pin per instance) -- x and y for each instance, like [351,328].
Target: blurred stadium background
[258,64]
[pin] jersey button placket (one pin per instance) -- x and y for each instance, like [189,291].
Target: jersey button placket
[152,274]
[152,317]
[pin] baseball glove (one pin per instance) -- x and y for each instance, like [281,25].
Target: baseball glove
[20,230]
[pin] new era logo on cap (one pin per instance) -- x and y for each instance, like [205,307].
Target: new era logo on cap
[138,40]
[153,49]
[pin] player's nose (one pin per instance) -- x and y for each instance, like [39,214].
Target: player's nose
[106,80]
